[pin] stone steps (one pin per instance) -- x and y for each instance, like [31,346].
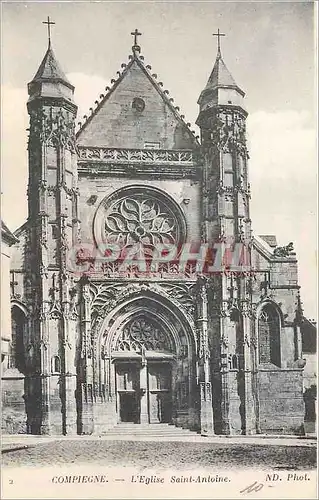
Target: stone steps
[149,430]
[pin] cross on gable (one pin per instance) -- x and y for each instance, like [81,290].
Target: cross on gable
[49,23]
[136,33]
[218,34]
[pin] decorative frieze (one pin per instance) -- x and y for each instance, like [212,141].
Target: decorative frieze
[131,156]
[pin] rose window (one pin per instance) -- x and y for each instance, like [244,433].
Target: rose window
[139,215]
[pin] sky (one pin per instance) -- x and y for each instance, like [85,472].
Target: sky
[269,49]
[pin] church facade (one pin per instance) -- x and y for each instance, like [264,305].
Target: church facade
[138,290]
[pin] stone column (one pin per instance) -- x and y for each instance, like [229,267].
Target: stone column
[86,422]
[250,414]
[207,419]
[144,418]
[45,427]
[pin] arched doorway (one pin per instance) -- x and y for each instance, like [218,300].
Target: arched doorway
[144,355]
[148,363]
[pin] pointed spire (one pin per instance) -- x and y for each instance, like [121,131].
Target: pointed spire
[220,77]
[50,80]
[221,88]
[50,70]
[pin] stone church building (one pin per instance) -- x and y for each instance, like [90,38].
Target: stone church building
[99,340]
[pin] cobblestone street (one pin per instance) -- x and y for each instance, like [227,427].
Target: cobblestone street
[164,455]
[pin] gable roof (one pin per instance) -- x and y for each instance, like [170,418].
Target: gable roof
[136,62]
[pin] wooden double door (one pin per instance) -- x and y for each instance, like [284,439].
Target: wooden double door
[144,392]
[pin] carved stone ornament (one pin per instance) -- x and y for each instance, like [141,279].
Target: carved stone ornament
[104,297]
[284,251]
[52,127]
[55,311]
[228,133]
[137,156]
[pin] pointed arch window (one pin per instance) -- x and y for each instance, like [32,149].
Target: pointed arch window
[269,335]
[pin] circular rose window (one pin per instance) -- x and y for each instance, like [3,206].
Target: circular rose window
[139,215]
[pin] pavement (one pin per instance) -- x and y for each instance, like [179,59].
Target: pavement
[15,442]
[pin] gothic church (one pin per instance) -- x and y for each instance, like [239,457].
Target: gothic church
[94,347]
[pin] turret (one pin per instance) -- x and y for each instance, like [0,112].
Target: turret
[53,229]
[221,119]
[226,220]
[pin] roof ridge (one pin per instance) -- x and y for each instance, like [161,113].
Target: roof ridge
[5,231]
[153,78]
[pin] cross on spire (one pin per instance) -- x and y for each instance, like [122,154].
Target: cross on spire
[218,34]
[136,33]
[49,23]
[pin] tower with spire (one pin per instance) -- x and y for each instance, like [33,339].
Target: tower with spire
[52,230]
[226,219]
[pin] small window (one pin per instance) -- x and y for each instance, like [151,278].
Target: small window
[151,145]
[55,231]
[56,364]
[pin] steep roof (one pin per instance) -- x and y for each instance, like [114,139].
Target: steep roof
[220,76]
[221,87]
[115,123]
[50,70]
[7,235]
[270,239]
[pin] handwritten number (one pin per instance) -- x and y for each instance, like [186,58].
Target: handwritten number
[10,481]
[252,487]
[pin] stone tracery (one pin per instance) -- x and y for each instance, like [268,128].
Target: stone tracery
[140,219]
[142,333]
[139,215]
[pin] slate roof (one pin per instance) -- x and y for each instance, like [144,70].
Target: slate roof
[50,70]
[270,239]
[220,78]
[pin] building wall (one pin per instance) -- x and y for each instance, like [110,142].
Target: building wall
[5,299]
[12,380]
